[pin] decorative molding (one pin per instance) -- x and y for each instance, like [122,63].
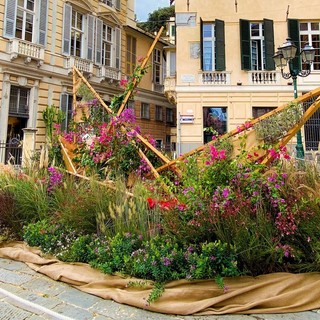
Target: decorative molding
[9,71]
[86,5]
[22,81]
[110,17]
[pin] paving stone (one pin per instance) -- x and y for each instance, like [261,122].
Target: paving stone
[99,317]
[117,311]
[45,286]
[309,315]
[36,317]
[47,302]
[7,276]
[74,312]
[78,298]
[11,265]
[11,288]
[9,312]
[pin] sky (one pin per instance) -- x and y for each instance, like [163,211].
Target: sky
[144,7]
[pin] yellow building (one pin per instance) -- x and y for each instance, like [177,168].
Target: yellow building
[41,41]
[222,68]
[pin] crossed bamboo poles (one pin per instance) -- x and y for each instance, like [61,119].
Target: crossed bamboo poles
[78,78]
[249,126]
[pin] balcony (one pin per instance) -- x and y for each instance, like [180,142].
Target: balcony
[108,73]
[86,66]
[28,50]
[215,78]
[158,87]
[263,77]
[170,89]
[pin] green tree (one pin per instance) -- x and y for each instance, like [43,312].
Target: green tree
[157,19]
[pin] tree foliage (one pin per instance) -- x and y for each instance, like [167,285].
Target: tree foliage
[157,19]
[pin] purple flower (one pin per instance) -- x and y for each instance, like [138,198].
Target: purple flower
[225,192]
[54,179]
[166,261]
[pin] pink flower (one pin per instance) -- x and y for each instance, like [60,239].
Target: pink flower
[123,82]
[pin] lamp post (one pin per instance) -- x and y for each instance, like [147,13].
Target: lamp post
[283,57]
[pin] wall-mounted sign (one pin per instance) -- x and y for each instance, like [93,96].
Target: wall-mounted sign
[188,78]
[186,118]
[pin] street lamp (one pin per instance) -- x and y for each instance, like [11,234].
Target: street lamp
[283,57]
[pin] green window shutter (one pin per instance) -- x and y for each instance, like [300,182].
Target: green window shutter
[10,19]
[67,17]
[294,34]
[245,44]
[220,46]
[201,43]
[43,14]
[269,43]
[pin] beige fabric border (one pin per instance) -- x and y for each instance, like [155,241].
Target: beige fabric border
[270,293]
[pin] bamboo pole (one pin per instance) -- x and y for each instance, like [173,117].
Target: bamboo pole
[293,131]
[96,95]
[242,128]
[108,184]
[143,64]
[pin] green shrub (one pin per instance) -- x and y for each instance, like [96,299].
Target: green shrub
[50,237]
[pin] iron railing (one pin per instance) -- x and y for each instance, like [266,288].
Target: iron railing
[12,151]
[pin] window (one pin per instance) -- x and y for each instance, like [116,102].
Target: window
[19,102]
[212,45]
[159,144]
[130,104]
[107,40]
[78,33]
[310,34]
[145,111]
[260,111]
[112,3]
[257,45]
[158,115]
[214,122]
[26,20]
[173,31]
[66,105]
[169,115]
[107,45]
[131,54]
[172,64]
[157,66]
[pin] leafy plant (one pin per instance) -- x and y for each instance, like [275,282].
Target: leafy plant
[276,126]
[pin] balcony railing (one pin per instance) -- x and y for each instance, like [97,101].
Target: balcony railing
[158,87]
[263,77]
[108,73]
[215,77]
[83,65]
[28,50]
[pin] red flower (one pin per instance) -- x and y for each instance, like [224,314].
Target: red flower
[152,203]
[167,205]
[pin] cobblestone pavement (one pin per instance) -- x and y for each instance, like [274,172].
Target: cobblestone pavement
[26,294]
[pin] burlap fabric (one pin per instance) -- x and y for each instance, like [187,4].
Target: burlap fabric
[271,293]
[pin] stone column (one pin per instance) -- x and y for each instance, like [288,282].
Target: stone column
[29,145]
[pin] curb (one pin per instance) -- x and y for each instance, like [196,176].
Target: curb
[33,307]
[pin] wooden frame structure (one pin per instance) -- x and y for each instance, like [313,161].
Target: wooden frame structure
[79,79]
